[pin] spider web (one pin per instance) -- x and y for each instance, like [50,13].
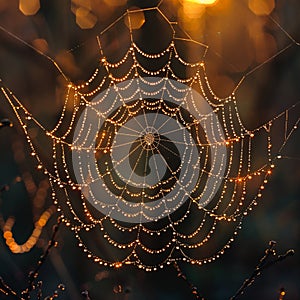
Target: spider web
[152,144]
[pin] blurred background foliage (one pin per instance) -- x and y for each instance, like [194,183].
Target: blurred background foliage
[240,36]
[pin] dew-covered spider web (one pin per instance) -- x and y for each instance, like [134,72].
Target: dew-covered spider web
[147,164]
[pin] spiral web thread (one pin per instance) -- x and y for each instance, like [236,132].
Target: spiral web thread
[196,232]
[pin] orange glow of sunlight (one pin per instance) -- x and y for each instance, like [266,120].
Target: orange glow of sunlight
[205,2]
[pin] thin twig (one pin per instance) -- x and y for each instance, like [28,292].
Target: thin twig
[7,290]
[262,265]
[193,288]
[34,274]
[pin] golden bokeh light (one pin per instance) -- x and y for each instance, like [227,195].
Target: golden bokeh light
[261,7]
[115,2]
[29,8]
[32,240]
[135,19]
[221,7]
[204,2]
[192,10]
[84,18]
[41,45]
